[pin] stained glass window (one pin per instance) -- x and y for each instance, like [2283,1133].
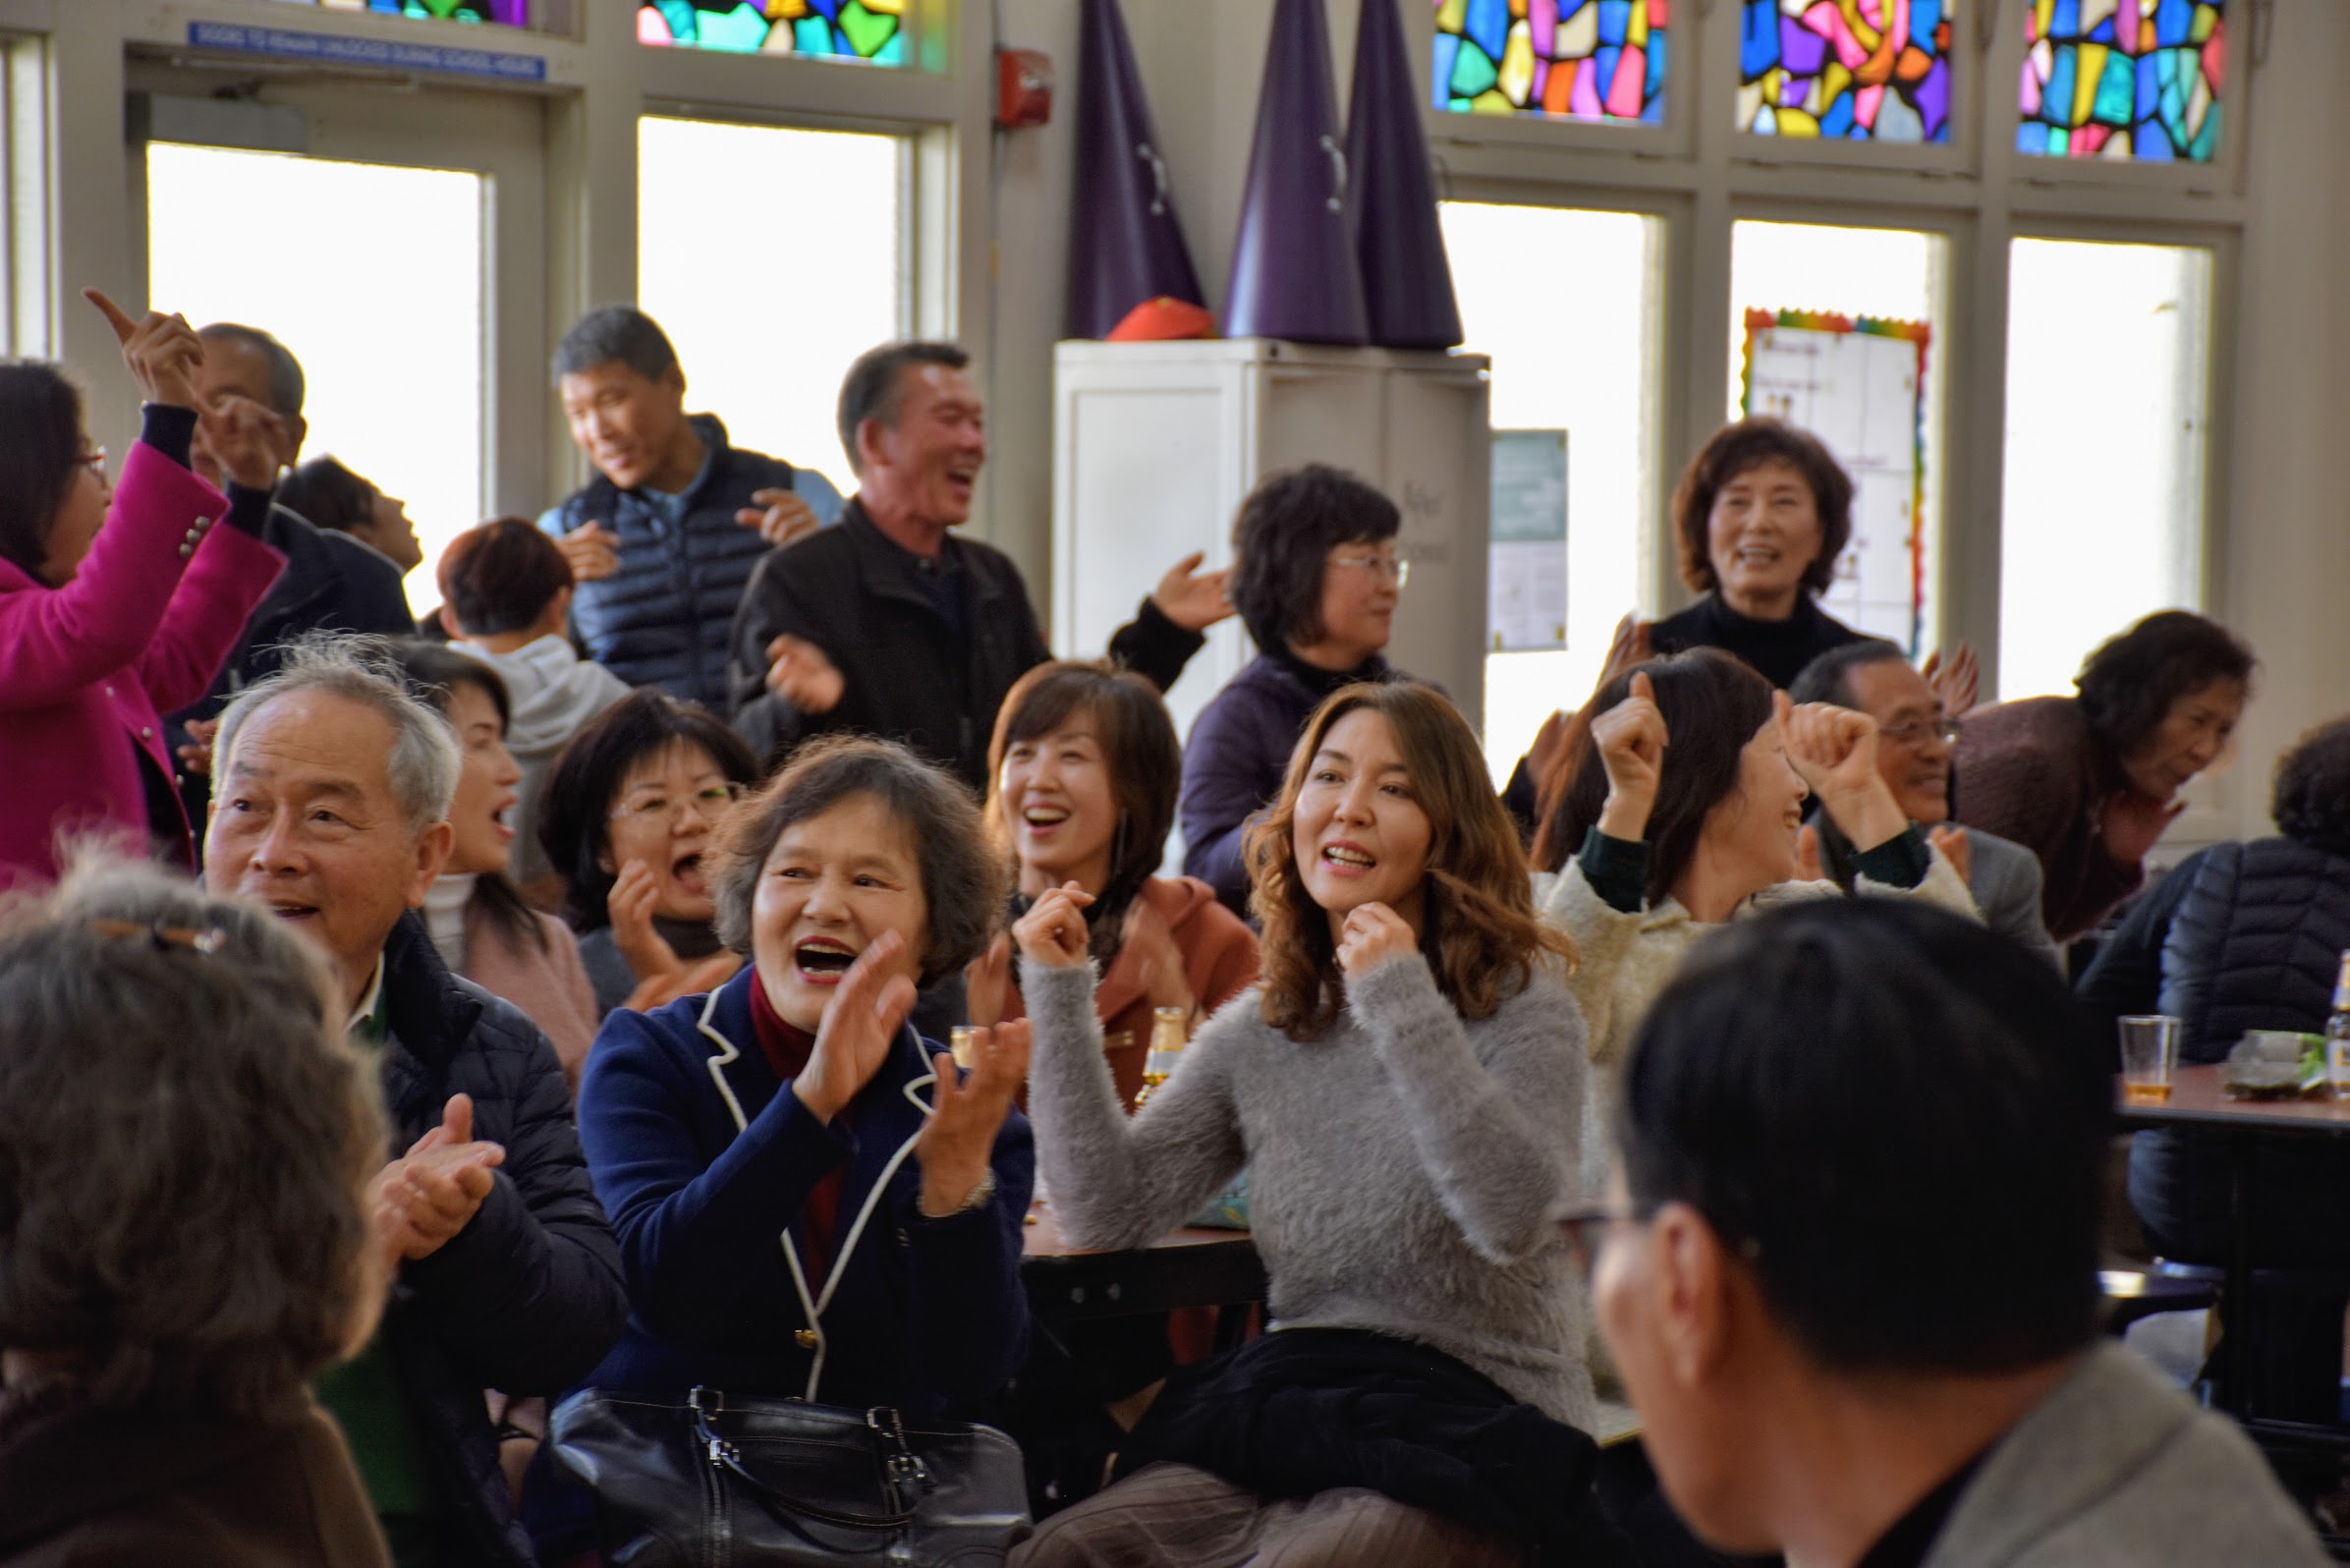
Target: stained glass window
[2123,78]
[1854,70]
[870,31]
[1572,59]
[505,12]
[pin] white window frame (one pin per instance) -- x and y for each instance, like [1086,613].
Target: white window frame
[1977,192]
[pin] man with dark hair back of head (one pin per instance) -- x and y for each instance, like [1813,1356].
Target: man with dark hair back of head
[506,599]
[1848,1267]
[895,626]
[332,581]
[1914,735]
[663,536]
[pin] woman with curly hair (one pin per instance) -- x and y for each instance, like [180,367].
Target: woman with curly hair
[1405,1086]
[2245,936]
[186,1147]
[2089,782]
[1760,517]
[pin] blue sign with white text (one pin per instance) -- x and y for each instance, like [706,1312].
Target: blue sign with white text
[382,54]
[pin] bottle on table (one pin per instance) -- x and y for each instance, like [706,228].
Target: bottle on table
[2337,1034]
[1168,1037]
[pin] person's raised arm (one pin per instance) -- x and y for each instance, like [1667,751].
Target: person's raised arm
[1116,1182]
[1631,737]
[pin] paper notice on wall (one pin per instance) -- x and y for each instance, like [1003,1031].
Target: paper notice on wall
[1527,557]
[1859,385]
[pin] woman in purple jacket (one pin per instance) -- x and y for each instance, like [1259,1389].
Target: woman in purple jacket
[116,602]
[1316,578]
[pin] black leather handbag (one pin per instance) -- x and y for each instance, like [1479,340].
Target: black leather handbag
[711,1483]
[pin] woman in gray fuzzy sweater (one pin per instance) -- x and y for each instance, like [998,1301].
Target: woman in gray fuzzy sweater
[1405,1087]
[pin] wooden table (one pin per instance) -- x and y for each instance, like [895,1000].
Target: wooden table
[2199,1101]
[1187,1267]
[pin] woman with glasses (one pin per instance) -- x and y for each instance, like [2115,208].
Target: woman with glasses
[626,821]
[116,604]
[1914,737]
[1316,578]
[1406,1087]
[476,917]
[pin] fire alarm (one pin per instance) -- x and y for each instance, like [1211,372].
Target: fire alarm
[1022,88]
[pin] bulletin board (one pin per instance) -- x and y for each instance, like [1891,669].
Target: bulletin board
[1858,384]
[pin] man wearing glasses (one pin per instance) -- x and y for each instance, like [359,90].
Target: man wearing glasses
[1848,1270]
[1914,737]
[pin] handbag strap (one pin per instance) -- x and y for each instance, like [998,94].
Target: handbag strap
[902,1469]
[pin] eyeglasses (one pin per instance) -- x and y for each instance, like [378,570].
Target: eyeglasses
[709,804]
[1383,567]
[1586,1228]
[1917,734]
[93,459]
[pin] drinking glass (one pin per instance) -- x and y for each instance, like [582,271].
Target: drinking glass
[2150,1055]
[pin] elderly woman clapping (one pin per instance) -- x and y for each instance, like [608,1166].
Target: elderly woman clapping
[186,1145]
[794,1104]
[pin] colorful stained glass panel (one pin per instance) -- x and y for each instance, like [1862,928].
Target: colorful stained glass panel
[1852,70]
[869,31]
[2123,78]
[504,13]
[1602,60]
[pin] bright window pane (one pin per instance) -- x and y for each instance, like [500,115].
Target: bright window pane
[1878,73]
[767,315]
[2123,78]
[1602,60]
[871,31]
[396,381]
[1565,302]
[2102,515]
[1860,406]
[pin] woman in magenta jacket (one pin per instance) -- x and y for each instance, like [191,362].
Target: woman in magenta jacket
[116,601]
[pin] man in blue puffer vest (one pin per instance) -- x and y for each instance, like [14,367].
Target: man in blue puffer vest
[662,541]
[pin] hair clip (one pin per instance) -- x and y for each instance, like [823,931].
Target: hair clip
[207,941]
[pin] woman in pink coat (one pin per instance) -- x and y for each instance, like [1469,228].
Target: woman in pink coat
[116,602]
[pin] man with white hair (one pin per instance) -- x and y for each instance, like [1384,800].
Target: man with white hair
[332,798]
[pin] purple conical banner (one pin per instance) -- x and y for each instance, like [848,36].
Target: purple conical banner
[1126,244]
[1406,280]
[1294,273]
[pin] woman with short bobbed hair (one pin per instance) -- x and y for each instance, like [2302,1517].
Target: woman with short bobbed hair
[186,1144]
[1080,788]
[2090,782]
[628,814]
[2244,936]
[1316,578]
[795,1105]
[1760,517]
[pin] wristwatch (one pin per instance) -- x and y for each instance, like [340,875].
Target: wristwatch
[977,1197]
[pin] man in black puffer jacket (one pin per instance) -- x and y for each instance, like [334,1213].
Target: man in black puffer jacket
[334,789]
[2238,937]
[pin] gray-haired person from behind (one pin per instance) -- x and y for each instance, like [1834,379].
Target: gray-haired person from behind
[333,791]
[186,1144]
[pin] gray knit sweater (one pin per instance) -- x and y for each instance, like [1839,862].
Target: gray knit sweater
[1404,1169]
